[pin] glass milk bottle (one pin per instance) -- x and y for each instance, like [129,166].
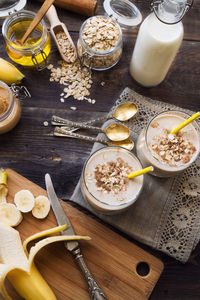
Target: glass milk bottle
[158,41]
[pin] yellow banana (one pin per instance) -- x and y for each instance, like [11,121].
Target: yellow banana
[18,265]
[3,185]
[9,73]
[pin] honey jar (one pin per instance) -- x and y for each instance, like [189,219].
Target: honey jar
[35,50]
[10,109]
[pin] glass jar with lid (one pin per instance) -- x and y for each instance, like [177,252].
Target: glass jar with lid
[10,109]
[100,37]
[8,7]
[36,48]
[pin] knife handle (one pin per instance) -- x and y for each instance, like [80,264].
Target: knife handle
[96,292]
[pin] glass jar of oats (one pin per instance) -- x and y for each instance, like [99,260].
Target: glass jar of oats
[100,37]
[100,43]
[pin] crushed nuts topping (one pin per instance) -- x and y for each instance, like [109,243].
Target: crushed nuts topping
[66,46]
[111,177]
[172,149]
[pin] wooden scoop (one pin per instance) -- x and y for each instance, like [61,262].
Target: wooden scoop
[60,28]
[38,17]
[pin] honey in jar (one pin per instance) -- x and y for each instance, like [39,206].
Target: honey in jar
[35,50]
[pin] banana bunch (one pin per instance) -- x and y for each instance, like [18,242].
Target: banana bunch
[17,264]
[9,73]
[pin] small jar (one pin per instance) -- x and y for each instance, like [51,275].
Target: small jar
[36,48]
[108,55]
[10,109]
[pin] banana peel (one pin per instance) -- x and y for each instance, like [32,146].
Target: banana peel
[9,73]
[3,186]
[17,264]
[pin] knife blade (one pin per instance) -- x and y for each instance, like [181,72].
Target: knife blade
[96,293]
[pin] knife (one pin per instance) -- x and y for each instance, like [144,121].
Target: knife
[73,247]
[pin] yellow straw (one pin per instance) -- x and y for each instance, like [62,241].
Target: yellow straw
[185,123]
[141,172]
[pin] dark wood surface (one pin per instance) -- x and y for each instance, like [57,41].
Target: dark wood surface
[31,150]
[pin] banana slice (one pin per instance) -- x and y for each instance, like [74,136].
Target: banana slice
[41,207]
[24,200]
[9,214]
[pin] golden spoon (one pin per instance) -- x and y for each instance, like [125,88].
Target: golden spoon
[115,132]
[127,144]
[122,112]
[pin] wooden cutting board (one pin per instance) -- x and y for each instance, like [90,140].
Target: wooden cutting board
[111,258]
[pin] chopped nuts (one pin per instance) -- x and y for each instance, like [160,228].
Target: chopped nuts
[172,149]
[111,177]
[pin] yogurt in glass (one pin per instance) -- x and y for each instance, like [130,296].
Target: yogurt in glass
[104,181]
[169,154]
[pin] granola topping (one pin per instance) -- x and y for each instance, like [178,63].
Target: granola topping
[111,177]
[172,149]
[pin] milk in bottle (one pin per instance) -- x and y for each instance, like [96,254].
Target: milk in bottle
[158,41]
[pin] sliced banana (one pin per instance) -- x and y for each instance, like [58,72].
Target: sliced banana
[9,214]
[24,200]
[41,207]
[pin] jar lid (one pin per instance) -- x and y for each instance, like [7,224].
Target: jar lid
[124,12]
[8,7]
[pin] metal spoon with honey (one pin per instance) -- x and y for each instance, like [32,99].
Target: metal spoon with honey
[115,132]
[61,36]
[62,132]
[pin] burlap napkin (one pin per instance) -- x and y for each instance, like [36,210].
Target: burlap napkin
[166,216]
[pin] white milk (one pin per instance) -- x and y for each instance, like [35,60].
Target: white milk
[155,49]
[109,201]
[148,157]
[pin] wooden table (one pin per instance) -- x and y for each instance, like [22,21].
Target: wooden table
[31,150]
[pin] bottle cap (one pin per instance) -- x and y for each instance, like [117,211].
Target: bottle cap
[124,12]
[8,7]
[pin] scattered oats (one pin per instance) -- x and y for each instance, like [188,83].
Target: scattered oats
[76,82]
[93,101]
[45,123]
[49,67]
[73,107]
[62,100]
[102,83]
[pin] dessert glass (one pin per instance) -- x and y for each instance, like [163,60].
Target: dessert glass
[166,163]
[119,192]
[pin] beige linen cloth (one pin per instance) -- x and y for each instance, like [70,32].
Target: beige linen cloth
[166,216]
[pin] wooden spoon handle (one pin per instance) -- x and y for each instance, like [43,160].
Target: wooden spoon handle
[52,16]
[38,17]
